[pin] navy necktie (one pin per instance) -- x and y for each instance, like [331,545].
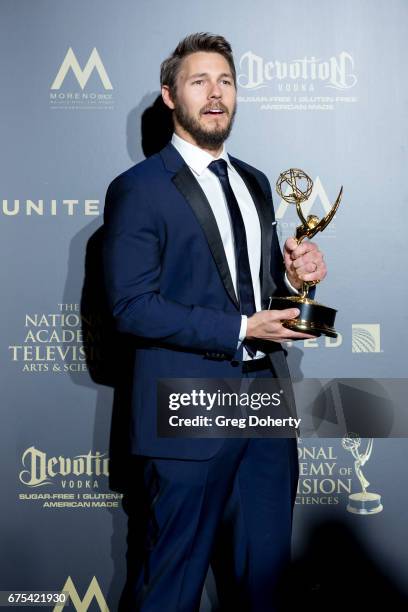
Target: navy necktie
[244,279]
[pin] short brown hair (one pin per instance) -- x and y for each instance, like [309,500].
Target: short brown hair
[201,41]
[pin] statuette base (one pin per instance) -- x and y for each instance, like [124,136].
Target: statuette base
[314,318]
[364,503]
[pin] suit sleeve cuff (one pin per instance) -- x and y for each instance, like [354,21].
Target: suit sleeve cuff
[243,330]
[290,286]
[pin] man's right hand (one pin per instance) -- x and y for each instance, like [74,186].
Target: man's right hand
[267,325]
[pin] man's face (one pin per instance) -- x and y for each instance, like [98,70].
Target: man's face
[205,100]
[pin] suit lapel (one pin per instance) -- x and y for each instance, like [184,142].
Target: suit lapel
[189,187]
[264,210]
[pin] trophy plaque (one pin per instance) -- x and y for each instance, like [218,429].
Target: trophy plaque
[295,187]
[364,502]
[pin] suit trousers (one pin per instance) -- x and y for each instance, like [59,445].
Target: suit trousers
[233,512]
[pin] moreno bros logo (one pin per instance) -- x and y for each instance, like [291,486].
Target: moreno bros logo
[70,62]
[94,591]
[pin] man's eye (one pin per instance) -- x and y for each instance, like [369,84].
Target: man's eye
[226,82]
[198,82]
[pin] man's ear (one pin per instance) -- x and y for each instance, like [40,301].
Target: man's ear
[167,99]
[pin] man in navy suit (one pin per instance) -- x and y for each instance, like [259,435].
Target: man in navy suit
[184,231]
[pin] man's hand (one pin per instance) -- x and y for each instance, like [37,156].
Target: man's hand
[303,262]
[267,325]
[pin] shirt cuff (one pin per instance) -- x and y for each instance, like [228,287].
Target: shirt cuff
[290,287]
[243,330]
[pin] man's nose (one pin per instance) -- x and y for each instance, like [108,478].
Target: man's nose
[215,91]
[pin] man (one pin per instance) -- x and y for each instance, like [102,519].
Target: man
[191,257]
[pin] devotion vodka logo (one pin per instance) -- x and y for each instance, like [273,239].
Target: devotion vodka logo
[303,83]
[337,72]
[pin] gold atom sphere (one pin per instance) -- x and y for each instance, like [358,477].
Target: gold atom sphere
[299,183]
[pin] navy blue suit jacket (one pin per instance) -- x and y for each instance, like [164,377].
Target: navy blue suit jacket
[169,285]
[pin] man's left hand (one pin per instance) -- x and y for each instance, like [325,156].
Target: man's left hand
[303,262]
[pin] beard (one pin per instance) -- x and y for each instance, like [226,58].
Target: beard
[211,138]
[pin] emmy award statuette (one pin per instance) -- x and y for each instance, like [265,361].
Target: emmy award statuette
[364,502]
[314,318]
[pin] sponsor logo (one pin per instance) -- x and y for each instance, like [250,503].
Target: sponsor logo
[364,502]
[58,482]
[42,470]
[70,62]
[93,591]
[337,72]
[366,338]
[304,83]
[323,480]
[322,342]
[50,208]
[76,99]
[61,342]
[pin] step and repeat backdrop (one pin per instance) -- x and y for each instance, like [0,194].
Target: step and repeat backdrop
[322,87]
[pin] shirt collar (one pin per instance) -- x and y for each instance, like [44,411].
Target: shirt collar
[197,159]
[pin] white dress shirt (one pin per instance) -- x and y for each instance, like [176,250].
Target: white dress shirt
[198,160]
